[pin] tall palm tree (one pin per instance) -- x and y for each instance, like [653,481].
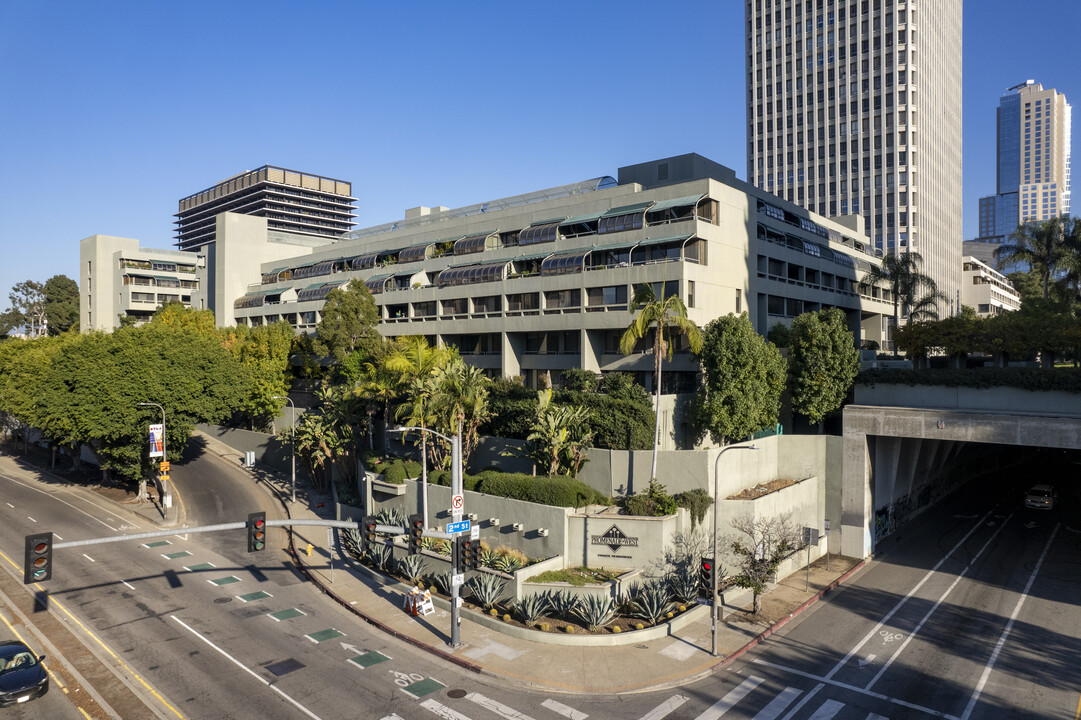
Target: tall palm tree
[461,401]
[415,361]
[379,385]
[1042,245]
[912,290]
[665,318]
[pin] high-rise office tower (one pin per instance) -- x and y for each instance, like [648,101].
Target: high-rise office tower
[1033,170]
[854,107]
[294,202]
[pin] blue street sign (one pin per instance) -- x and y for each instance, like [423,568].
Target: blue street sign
[456,527]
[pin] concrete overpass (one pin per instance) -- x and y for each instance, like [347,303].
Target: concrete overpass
[900,441]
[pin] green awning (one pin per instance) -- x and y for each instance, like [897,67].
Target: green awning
[627,209]
[578,219]
[550,221]
[678,202]
[658,241]
[523,258]
[379,277]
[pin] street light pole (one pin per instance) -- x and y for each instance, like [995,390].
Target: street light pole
[292,444]
[716,558]
[164,456]
[455,489]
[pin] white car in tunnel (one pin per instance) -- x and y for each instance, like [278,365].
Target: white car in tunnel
[1040,497]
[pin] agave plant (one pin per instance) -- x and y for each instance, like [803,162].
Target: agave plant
[391,516]
[508,563]
[683,584]
[443,581]
[595,610]
[351,540]
[438,545]
[411,567]
[562,603]
[652,602]
[380,555]
[488,558]
[531,607]
[486,588]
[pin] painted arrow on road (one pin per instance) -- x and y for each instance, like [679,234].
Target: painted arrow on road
[1030,524]
[870,659]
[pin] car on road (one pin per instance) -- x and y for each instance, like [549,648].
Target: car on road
[22,674]
[1041,497]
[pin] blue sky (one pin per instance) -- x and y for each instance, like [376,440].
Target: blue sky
[113,111]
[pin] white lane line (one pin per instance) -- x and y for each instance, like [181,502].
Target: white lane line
[65,502]
[128,584]
[442,710]
[827,710]
[873,716]
[58,537]
[564,710]
[665,708]
[31,519]
[1009,626]
[246,669]
[11,506]
[89,558]
[874,631]
[806,699]
[498,708]
[726,703]
[853,688]
[778,704]
[934,607]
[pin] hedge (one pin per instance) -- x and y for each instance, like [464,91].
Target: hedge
[1057,379]
[543,490]
[395,473]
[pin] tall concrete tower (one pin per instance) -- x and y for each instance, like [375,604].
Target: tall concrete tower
[855,108]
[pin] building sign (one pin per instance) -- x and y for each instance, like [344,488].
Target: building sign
[614,539]
[157,441]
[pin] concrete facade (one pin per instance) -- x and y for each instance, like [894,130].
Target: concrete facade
[986,290]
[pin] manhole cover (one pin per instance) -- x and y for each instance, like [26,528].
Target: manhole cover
[221,601]
[285,666]
[456,694]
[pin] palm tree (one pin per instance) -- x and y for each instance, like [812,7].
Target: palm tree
[901,274]
[1042,245]
[460,401]
[664,317]
[379,385]
[415,361]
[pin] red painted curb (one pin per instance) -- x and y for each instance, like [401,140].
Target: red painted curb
[783,621]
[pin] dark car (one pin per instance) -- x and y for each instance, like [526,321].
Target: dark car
[22,676]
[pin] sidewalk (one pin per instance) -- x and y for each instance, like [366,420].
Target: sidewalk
[652,664]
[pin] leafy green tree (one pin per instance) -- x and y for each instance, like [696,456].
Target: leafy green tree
[780,335]
[177,316]
[27,308]
[744,376]
[460,402]
[910,289]
[348,323]
[61,304]
[264,352]
[664,318]
[559,436]
[823,363]
[1042,245]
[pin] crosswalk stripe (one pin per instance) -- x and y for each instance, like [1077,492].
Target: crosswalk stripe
[726,703]
[564,710]
[778,704]
[668,706]
[874,716]
[496,707]
[442,710]
[827,710]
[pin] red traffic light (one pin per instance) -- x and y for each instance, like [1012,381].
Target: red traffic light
[707,565]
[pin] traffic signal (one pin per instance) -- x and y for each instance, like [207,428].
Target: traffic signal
[38,558]
[470,554]
[705,574]
[459,554]
[367,533]
[256,531]
[416,530]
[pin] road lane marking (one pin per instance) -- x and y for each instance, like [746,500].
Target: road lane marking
[128,584]
[827,710]
[906,598]
[498,708]
[89,558]
[324,635]
[246,669]
[31,519]
[778,704]
[665,708]
[726,703]
[442,710]
[422,687]
[176,555]
[853,688]
[257,595]
[227,580]
[564,710]
[286,614]
[1009,626]
[11,506]
[934,607]
[65,502]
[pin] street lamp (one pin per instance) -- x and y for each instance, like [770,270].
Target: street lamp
[164,457]
[292,444]
[456,513]
[716,508]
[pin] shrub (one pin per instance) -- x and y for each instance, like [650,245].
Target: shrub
[562,603]
[683,583]
[380,555]
[616,629]
[508,563]
[531,607]
[639,626]
[580,380]
[553,491]
[544,627]
[411,568]
[569,629]
[438,545]
[697,501]
[486,588]
[443,581]
[506,618]
[595,610]
[655,502]
[412,468]
[395,473]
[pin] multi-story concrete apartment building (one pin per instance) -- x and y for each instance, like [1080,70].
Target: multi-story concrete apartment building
[1033,161]
[854,107]
[986,290]
[294,202]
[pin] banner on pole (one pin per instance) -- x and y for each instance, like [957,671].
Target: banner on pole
[157,441]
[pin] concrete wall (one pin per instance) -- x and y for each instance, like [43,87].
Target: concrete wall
[1002,400]
[610,541]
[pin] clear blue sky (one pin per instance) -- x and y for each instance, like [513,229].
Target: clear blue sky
[110,112]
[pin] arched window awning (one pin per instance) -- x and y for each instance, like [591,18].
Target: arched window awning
[257,298]
[377,283]
[564,263]
[659,249]
[317,292]
[471,274]
[627,217]
[540,232]
[666,211]
[273,276]
[477,243]
[363,262]
[416,253]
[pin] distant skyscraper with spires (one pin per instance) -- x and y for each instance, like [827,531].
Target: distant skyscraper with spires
[1033,161]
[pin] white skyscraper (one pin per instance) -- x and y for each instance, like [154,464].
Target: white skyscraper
[855,108]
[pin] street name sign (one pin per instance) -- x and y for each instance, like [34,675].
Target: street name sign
[457,527]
